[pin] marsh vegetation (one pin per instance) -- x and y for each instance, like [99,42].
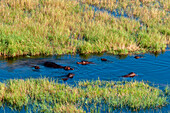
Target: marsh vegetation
[46,95]
[34,27]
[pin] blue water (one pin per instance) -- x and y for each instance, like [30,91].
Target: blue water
[151,68]
[155,69]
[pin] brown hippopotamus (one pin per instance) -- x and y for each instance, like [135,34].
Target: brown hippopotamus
[52,64]
[64,79]
[36,67]
[70,75]
[103,59]
[131,74]
[85,62]
[137,57]
[68,68]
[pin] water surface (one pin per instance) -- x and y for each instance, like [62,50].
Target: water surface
[151,68]
[155,69]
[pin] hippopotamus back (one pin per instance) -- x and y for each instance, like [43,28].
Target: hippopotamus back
[52,64]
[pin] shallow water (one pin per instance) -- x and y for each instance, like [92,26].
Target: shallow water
[155,69]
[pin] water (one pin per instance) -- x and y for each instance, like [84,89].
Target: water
[154,69]
[149,68]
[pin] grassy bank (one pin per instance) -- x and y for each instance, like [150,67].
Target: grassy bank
[48,96]
[48,27]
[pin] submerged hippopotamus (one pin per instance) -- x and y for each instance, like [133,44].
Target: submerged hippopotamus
[36,67]
[68,68]
[103,59]
[131,74]
[137,57]
[54,65]
[85,62]
[70,75]
[65,79]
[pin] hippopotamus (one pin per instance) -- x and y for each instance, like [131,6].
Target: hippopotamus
[36,67]
[103,59]
[137,57]
[70,75]
[131,74]
[54,65]
[64,79]
[85,62]
[68,68]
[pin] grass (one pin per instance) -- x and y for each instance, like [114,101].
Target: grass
[46,27]
[46,95]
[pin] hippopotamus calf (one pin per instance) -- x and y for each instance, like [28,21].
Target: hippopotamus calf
[52,64]
[131,74]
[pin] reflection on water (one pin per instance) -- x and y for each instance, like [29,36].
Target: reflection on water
[152,67]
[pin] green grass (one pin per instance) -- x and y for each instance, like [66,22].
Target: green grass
[46,95]
[46,27]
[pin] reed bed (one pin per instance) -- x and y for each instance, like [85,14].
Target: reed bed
[153,15]
[46,27]
[44,95]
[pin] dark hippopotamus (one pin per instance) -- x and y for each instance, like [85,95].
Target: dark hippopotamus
[65,79]
[103,59]
[53,65]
